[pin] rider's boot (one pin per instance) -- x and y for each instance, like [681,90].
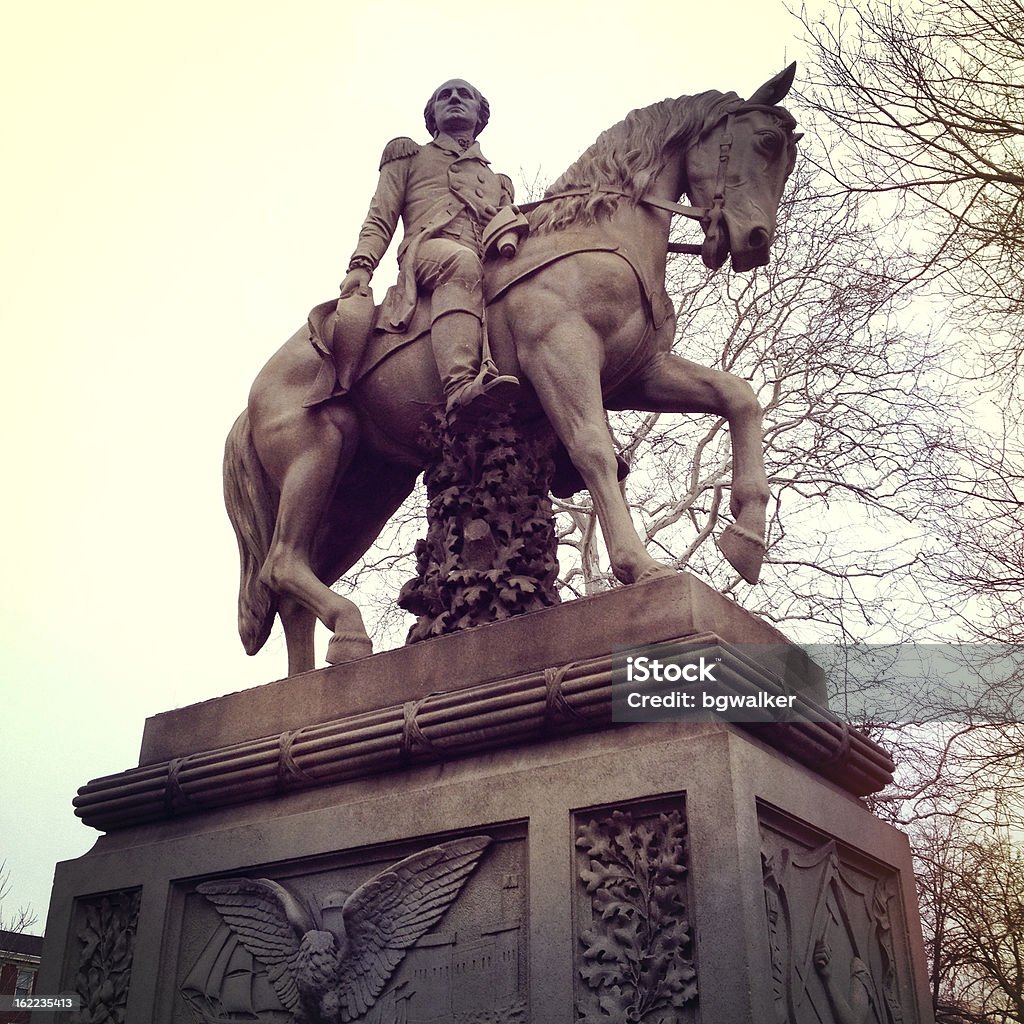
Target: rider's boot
[457,340]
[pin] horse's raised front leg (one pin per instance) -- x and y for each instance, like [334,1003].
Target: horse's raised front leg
[564,368]
[306,452]
[671,383]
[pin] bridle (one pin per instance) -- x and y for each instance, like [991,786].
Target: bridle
[711,217]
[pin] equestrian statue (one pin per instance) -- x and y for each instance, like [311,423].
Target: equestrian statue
[559,305]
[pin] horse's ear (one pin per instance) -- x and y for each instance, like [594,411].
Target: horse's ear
[775,88]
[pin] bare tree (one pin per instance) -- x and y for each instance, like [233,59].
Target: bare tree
[929,97]
[24,917]
[971,893]
[981,555]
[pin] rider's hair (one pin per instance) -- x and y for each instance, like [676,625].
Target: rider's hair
[481,124]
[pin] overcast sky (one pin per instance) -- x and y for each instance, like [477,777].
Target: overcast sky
[181,183]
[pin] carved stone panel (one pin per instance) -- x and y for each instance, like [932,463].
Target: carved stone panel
[105,929]
[834,926]
[417,934]
[634,944]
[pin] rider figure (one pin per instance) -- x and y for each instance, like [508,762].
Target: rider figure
[446,195]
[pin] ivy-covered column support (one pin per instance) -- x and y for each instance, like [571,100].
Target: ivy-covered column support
[490,549]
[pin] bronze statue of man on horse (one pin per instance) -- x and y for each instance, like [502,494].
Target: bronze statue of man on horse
[332,440]
[454,209]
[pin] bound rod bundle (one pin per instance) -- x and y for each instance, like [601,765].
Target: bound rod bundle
[444,726]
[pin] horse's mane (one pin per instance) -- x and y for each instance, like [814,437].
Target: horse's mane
[628,156]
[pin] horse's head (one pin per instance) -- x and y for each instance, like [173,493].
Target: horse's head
[737,170]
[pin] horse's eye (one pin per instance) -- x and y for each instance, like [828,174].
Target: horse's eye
[769,142]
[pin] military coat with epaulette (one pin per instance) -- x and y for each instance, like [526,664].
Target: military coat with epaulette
[437,190]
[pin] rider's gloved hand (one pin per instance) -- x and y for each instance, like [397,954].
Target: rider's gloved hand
[356,280]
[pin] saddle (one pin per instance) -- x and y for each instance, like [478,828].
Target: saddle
[352,338]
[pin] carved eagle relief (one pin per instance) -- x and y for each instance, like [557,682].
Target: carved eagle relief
[331,965]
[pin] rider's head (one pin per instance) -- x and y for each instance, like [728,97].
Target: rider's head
[456,106]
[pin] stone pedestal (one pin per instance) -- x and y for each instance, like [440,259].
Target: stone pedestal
[658,872]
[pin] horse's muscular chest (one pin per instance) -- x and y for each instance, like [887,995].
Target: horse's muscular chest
[597,290]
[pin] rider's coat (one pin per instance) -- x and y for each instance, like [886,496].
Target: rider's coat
[439,192]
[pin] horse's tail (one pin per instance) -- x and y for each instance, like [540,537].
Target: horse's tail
[252,508]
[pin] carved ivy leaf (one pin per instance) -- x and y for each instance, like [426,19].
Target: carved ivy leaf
[681,982]
[471,596]
[522,583]
[493,478]
[667,941]
[629,937]
[440,624]
[90,941]
[593,841]
[447,499]
[633,876]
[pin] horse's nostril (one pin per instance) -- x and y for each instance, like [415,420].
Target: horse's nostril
[759,238]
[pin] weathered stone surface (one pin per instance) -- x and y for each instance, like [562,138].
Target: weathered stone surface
[561,833]
[333,958]
[727,787]
[635,955]
[833,918]
[583,695]
[106,934]
[663,609]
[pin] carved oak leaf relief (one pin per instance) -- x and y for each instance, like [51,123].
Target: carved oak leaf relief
[329,966]
[637,956]
[107,935]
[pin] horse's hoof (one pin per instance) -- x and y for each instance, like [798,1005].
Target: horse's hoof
[655,572]
[744,551]
[348,647]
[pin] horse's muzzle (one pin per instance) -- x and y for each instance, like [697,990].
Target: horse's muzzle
[715,248]
[753,250]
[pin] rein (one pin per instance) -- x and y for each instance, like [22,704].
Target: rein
[693,212]
[711,216]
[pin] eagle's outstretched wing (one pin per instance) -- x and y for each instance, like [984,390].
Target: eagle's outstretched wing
[269,922]
[387,914]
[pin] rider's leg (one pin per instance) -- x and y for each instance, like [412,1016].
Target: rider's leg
[454,276]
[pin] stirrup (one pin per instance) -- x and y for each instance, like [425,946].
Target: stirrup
[486,393]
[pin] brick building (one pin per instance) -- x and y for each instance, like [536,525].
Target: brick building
[19,968]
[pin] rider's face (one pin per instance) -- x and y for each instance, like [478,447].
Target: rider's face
[456,107]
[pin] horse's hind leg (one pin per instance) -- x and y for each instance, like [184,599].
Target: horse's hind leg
[306,452]
[671,383]
[299,625]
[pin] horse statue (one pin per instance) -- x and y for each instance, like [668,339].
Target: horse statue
[581,313]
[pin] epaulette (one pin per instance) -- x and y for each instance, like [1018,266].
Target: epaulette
[399,149]
[507,187]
